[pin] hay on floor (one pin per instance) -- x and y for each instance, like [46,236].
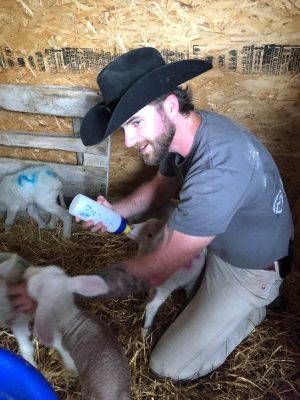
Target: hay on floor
[264,366]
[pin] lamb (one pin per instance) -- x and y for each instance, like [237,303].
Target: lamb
[12,268]
[144,234]
[85,342]
[35,189]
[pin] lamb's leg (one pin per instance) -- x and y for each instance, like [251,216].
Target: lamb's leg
[52,224]
[22,334]
[62,214]
[160,294]
[67,359]
[62,199]
[196,275]
[33,212]
[142,306]
[11,214]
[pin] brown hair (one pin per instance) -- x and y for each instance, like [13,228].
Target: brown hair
[184,97]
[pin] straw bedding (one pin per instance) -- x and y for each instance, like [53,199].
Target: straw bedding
[266,365]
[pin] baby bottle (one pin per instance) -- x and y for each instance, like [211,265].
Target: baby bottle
[87,209]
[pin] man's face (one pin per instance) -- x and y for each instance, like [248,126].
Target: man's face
[150,132]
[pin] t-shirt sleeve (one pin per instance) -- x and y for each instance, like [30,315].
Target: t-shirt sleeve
[208,201]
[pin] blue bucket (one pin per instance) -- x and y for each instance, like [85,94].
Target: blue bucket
[19,380]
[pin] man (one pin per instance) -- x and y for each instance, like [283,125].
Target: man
[231,202]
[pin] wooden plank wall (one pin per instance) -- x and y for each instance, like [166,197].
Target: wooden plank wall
[254,47]
[89,173]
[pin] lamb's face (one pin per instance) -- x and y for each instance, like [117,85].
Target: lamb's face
[45,280]
[144,232]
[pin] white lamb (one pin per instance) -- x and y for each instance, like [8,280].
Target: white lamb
[85,342]
[35,189]
[144,234]
[12,268]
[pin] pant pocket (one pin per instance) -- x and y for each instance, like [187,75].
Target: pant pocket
[262,285]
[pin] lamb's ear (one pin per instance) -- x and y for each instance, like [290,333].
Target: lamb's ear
[88,285]
[44,324]
[7,265]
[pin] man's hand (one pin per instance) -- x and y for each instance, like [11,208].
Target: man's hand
[20,299]
[99,227]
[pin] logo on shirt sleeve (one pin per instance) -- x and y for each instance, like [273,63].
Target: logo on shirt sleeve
[278,203]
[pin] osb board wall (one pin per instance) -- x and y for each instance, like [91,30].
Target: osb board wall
[254,47]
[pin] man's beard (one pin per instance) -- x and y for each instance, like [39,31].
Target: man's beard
[161,145]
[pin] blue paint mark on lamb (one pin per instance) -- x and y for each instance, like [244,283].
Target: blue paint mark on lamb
[23,179]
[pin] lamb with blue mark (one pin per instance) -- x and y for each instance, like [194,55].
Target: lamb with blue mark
[35,190]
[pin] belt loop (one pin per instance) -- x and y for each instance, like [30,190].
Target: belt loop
[276,265]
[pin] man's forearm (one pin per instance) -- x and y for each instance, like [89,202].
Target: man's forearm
[131,276]
[172,249]
[139,201]
[147,197]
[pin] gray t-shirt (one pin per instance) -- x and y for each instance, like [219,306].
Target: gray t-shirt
[231,189]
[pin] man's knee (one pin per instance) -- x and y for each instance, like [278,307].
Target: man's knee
[176,371]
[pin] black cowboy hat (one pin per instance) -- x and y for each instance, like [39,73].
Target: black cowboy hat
[128,84]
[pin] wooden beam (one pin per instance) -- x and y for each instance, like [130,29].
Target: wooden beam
[47,141]
[50,100]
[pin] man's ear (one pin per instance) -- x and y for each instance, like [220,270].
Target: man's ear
[171,106]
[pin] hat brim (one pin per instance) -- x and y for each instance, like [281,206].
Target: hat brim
[95,127]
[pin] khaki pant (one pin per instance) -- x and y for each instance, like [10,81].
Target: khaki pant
[228,305]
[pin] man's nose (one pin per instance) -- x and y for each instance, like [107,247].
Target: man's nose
[130,137]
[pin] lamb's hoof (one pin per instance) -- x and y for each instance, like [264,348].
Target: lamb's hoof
[49,227]
[32,362]
[145,332]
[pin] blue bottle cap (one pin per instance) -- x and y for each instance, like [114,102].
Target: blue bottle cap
[122,226]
